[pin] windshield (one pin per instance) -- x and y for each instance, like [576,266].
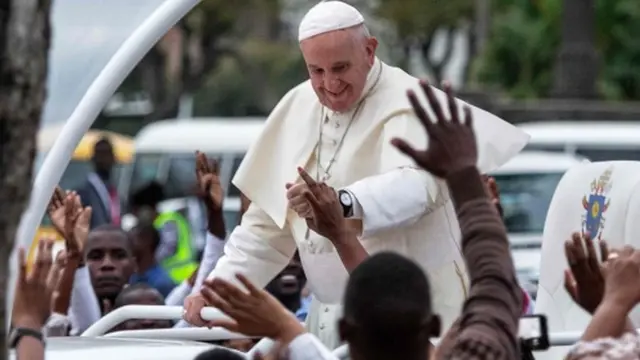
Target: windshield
[525,200]
[592,153]
[75,175]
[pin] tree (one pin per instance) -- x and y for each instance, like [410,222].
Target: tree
[577,61]
[418,22]
[24,43]
[526,37]
[178,64]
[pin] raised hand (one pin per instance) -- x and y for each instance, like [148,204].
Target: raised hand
[253,313]
[56,211]
[208,178]
[76,224]
[451,142]
[32,305]
[621,273]
[327,216]
[584,280]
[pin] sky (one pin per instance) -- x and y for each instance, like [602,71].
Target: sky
[85,36]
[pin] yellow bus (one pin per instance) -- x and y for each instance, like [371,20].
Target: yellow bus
[79,167]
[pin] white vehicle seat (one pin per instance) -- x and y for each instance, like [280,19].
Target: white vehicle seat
[600,197]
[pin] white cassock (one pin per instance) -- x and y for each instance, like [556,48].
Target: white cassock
[402,209]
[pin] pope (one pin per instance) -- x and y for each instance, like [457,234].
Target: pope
[338,126]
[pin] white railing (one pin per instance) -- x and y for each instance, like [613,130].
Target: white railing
[98,94]
[131,312]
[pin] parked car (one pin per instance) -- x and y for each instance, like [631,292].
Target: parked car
[526,184]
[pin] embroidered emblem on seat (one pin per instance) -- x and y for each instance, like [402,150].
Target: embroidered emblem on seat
[596,204]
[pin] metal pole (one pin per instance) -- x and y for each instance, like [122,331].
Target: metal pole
[100,91]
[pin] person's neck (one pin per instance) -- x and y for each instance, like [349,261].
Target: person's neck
[145,263]
[291,302]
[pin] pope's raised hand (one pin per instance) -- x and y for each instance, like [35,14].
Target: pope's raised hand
[208,178]
[451,142]
[327,216]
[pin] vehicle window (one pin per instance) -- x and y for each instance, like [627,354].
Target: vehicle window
[234,191]
[181,180]
[525,200]
[230,219]
[145,169]
[75,176]
[609,154]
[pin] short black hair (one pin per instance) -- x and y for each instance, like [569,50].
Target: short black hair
[388,299]
[219,353]
[110,228]
[150,194]
[145,228]
[121,299]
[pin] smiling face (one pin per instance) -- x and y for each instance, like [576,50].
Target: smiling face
[338,63]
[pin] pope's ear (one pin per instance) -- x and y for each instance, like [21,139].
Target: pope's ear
[372,46]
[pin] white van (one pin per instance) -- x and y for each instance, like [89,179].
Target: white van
[165,152]
[596,140]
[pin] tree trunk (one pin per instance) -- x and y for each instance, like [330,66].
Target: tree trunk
[577,62]
[24,45]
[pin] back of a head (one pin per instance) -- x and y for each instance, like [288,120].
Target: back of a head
[220,353]
[388,301]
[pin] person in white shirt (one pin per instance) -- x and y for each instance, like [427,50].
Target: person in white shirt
[338,127]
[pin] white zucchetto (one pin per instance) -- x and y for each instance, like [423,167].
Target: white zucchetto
[328,16]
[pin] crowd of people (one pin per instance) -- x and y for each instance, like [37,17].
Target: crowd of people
[388,250]
[387,302]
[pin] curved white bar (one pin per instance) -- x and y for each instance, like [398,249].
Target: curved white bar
[152,312]
[183,334]
[102,88]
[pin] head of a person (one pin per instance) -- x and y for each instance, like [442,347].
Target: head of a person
[338,51]
[146,239]
[288,284]
[140,294]
[220,353]
[103,157]
[110,260]
[387,310]
[144,201]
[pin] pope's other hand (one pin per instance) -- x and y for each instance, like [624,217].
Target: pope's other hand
[297,199]
[193,304]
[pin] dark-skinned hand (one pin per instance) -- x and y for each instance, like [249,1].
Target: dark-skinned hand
[208,178]
[451,142]
[584,280]
[327,214]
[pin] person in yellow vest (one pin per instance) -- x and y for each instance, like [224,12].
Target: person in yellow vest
[176,253]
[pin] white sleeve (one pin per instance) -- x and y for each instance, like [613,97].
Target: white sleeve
[394,199]
[57,325]
[401,193]
[84,309]
[213,251]
[257,248]
[307,347]
[177,295]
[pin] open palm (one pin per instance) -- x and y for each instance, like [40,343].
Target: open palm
[208,178]
[56,210]
[76,223]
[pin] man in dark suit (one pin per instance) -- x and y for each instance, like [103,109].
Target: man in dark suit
[99,191]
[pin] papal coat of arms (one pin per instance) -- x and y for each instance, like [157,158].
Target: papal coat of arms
[595,205]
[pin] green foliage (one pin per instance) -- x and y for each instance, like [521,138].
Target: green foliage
[525,37]
[421,18]
[251,87]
